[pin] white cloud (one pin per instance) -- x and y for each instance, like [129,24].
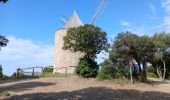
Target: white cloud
[167,23]
[25,53]
[166,19]
[125,23]
[140,30]
[166,5]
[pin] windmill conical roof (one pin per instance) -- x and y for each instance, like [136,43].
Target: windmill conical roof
[74,21]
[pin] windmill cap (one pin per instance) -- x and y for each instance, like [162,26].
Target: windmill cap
[74,21]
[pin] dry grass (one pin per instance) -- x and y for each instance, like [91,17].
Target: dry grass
[75,88]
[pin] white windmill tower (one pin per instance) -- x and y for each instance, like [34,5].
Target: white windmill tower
[65,60]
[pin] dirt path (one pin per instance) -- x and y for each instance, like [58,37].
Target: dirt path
[76,88]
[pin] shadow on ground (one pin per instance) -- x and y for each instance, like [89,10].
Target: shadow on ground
[157,82]
[24,86]
[95,93]
[14,80]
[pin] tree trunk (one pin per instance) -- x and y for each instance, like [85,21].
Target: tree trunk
[140,70]
[158,72]
[144,71]
[163,76]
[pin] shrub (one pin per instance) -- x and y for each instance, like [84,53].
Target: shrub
[87,68]
[1,74]
[14,75]
[151,72]
[111,70]
[106,73]
[4,77]
[121,70]
[47,69]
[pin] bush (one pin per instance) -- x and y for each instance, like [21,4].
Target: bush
[121,70]
[23,76]
[1,74]
[48,70]
[87,68]
[111,70]
[14,75]
[106,73]
[4,77]
[151,72]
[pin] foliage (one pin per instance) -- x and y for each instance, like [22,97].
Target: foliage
[151,72]
[3,41]
[161,58]
[112,69]
[5,77]
[3,1]
[48,69]
[121,70]
[106,72]
[89,39]
[14,75]
[23,76]
[55,75]
[87,68]
[130,46]
[1,74]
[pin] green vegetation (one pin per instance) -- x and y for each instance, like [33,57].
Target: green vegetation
[48,69]
[55,75]
[105,73]
[151,72]
[139,50]
[3,41]
[87,68]
[90,40]
[23,76]
[1,74]
[3,77]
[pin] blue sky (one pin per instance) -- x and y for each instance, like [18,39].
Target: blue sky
[30,25]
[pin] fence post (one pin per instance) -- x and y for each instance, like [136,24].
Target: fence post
[42,72]
[66,71]
[33,71]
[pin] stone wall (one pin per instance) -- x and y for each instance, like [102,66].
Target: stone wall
[64,58]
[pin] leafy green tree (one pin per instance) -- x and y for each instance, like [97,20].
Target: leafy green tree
[162,43]
[89,39]
[3,41]
[131,46]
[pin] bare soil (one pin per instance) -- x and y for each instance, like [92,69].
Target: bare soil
[76,88]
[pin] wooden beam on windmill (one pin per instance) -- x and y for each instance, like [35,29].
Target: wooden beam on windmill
[100,6]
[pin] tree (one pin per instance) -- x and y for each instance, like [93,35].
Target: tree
[3,1]
[130,46]
[162,42]
[89,39]
[1,74]
[3,41]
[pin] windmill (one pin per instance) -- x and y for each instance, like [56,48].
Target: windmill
[64,19]
[101,5]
